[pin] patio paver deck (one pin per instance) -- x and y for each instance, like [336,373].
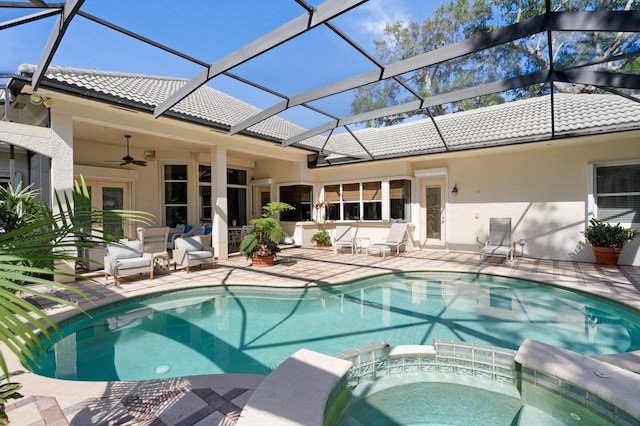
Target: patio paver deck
[219,399]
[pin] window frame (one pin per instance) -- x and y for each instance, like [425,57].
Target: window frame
[297,212]
[168,221]
[594,195]
[383,201]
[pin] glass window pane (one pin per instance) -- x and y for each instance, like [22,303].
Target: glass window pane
[112,199]
[175,172]
[616,179]
[205,202]
[351,211]
[236,177]
[204,174]
[175,192]
[619,209]
[372,211]
[400,199]
[176,215]
[237,206]
[299,196]
[433,212]
[332,193]
[372,191]
[333,212]
[351,192]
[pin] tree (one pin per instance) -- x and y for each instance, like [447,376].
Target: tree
[463,19]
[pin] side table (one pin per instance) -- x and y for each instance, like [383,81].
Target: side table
[361,243]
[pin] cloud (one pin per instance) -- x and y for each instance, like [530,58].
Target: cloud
[380,14]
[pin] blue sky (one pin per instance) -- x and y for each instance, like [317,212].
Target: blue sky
[209,30]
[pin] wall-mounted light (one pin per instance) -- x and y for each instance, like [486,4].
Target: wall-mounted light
[36,98]
[40,99]
[454,191]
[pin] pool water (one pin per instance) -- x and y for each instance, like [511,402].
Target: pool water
[239,329]
[440,399]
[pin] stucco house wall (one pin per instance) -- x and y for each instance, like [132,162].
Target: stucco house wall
[543,187]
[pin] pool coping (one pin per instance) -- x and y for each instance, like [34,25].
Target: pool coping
[319,266]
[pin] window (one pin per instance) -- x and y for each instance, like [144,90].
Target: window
[351,201]
[618,194]
[332,195]
[372,201]
[237,197]
[299,196]
[204,185]
[400,195]
[175,194]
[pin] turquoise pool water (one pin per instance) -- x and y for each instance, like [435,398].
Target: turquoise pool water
[242,329]
[440,399]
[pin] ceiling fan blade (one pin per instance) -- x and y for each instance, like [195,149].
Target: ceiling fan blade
[139,162]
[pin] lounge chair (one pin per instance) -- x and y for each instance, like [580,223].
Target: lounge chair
[499,243]
[189,252]
[342,238]
[395,240]
[126,258]
[154,242]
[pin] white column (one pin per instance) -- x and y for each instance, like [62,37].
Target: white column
[220,219]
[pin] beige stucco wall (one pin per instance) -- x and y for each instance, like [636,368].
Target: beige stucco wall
[542,186]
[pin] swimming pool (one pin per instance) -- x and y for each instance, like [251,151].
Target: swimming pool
[242,329]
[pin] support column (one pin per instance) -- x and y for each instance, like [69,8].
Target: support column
[220,219]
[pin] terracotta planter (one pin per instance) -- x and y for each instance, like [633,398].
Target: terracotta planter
[606,256]
[262,261]
[322,244]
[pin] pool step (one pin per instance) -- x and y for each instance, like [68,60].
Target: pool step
[296,392]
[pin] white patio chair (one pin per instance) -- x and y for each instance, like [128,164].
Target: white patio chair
[342,238]
[499,243]
[395,240]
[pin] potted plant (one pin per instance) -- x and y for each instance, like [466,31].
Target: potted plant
[607,240]
[321,238]
[261,244]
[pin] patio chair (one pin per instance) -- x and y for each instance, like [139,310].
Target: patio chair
[499,243]
[395,240]
[204,231]
[127,258]
[154,242]
[190,252]
[342,238]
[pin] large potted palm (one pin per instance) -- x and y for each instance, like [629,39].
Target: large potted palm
[261,244]
[607,241]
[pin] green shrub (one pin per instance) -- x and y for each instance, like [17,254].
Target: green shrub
[600,234]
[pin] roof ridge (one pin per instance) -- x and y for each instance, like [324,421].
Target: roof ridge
[30,69]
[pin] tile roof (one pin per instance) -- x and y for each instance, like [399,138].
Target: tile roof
[508,123]
[205,104]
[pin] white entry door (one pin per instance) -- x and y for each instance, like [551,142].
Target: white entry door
[432,213]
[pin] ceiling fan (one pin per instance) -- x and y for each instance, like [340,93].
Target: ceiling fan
[128,159]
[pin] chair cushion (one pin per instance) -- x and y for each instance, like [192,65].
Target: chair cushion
[189,244]
[133,262]
[179,229]
[200,254]
[125,249]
